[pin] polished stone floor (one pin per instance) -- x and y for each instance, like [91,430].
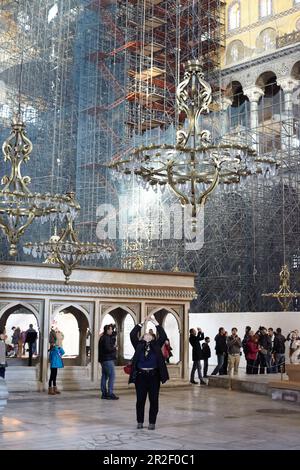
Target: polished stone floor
[189,418]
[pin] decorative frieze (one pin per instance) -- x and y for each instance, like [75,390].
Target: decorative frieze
[84,290]
[107,308]
[280,62]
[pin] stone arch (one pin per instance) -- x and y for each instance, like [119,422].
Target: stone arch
[83,322]
[235,51]
[238,111]
[265,77]
[12,307]
[124,307]
[165,310]
[161,313]
[295,72]
[21,307]
[71,306]
[119,313]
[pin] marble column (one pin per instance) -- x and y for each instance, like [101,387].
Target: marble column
[82,345]
[224,105]
[254,93]
[288,85]
[44,354]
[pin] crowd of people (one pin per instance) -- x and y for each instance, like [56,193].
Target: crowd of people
[16,346]
[264,350]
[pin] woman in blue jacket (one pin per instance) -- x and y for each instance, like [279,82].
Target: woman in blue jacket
[56,362]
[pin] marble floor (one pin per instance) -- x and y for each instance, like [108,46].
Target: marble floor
[190,418]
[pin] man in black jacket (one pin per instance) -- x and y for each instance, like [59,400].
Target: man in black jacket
[148,370]
[107,354]
[194,340]
[279,350]
[221,349]
[206,353]
[30,339]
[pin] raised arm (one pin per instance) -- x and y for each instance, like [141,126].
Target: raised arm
[162,337]
[134,335]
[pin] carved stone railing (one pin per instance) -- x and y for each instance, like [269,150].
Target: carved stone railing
[287,39]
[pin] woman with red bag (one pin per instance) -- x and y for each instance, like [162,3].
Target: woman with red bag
[166,351]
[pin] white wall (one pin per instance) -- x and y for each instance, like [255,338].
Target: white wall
[210,323]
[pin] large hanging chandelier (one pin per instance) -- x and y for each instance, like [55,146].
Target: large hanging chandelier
[18,205]
[66,250]
[194,166]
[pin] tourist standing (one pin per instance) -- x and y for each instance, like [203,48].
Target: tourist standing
[31,337]
[107,355]
[234,345]
[194,339]
[206,354]
[148,370]
[56,362]
[221,349]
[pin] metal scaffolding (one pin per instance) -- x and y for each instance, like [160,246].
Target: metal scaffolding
[99,78]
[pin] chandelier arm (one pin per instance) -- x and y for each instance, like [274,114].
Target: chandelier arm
[23,227]
[183,198]
[214,184]
[13,234]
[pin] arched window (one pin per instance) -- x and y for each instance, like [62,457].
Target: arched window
[266,39]
[235,52]
[234,16]
[265,8]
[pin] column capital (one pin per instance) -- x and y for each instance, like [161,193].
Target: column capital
[225,102]
[287,84]
[253,93]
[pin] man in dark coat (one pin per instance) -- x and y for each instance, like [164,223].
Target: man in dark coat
[206,354]
[30,339]
[221,349]
[194,340]
[148,370]
[107,354]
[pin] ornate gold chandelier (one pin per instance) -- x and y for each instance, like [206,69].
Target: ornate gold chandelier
[194,166]
[284,294]
[18,205]
[66,250]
